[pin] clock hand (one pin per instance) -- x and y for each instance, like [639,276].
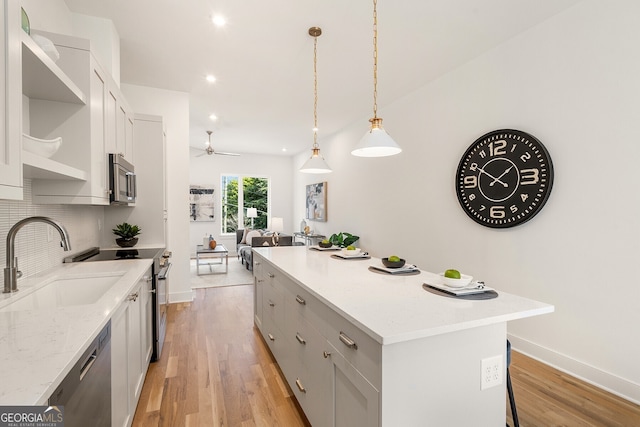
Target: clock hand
[493,177]
[498,178]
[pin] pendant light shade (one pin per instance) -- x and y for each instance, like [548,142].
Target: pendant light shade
[316,163]
[376,142]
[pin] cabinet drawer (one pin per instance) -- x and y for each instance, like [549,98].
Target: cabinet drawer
[305,306]
[273,304]
[311,381]
[358,348]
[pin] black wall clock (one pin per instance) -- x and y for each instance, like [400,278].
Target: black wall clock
[504,178]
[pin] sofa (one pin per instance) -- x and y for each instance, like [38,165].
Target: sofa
[243,249]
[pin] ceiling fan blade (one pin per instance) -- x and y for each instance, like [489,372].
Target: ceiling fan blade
[201,154]
[222,153]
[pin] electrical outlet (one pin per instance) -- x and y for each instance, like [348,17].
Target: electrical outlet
[491,372]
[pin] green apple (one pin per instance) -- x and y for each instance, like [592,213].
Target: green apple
[452,274]
[351,248]
[394,258]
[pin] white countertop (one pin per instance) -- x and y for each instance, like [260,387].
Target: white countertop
[392,308]
[39,347]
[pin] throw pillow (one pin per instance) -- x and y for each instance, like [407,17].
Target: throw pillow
[251,234]
[244,235]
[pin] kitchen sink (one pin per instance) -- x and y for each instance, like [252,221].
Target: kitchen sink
[65,292]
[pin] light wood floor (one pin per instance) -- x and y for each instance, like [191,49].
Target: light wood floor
[215,371]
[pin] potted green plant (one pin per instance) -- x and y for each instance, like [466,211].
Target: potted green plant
[342,239]
[127,233]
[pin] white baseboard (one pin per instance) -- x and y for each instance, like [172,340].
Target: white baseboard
[612,383]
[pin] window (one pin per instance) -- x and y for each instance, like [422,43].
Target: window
[253,193]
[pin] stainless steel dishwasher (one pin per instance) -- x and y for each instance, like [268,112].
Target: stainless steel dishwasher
[85,392]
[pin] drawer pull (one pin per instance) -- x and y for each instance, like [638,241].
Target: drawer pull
[256,263]
[326,354]
[300,339]
[272,304]
[260,280]
[300,300]
[348,341]
[300,386]
[271,337]
[271,275]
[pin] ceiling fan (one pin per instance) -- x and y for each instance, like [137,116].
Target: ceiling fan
[209,150]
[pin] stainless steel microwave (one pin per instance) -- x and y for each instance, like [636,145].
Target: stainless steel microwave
[122,181]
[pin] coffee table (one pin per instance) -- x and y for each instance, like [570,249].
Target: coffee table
[220,252]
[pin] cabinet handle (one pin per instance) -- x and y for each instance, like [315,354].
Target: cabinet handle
[300,300]
[133,297]
[271,275]
[256,263]
[300,386]
[326,354]
[300,339]
[149,279]
[271,337]
[272,304]
[260,280]
[348,341]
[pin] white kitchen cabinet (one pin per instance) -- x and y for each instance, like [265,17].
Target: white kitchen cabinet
[119,123]
[81,125]
[130,352]
[258,281]
[10,124]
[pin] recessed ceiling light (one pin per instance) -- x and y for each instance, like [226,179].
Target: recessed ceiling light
[211,78]
[284,149]
[213,117]
[219,20]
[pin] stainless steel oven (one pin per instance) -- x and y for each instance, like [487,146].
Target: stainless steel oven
[160,272]
[122,181]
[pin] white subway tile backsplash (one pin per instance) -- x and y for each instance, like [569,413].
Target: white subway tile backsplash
[34,252]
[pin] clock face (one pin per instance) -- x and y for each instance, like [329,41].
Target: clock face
[504,178]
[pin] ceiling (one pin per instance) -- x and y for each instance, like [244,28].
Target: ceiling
[263,58]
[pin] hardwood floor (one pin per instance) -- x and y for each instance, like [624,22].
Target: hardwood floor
[216,371]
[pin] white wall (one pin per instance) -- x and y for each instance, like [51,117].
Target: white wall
[207,170]
[572,81]
[174,109]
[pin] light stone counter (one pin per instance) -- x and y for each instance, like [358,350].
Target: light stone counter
[39,347]
[390,308]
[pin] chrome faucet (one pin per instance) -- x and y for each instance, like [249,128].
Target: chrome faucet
[11,272]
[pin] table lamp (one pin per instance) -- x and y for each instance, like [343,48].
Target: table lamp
[252,213]
[277,226]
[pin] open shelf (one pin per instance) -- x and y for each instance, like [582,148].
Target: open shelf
[38,167]
[43,79]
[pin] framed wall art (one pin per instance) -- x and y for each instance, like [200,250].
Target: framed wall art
[201,207]
[317,202]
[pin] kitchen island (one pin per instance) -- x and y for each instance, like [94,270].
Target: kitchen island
[364,348]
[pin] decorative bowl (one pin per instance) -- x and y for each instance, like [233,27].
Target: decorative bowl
[351,252]
[41,147]
[391,264]
[463,281]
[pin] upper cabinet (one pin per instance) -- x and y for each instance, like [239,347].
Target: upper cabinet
[10,144]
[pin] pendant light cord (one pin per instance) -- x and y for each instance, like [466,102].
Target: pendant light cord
[375,59]
[315,92]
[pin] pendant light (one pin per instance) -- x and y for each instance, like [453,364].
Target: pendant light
[316,163]
[376,142]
